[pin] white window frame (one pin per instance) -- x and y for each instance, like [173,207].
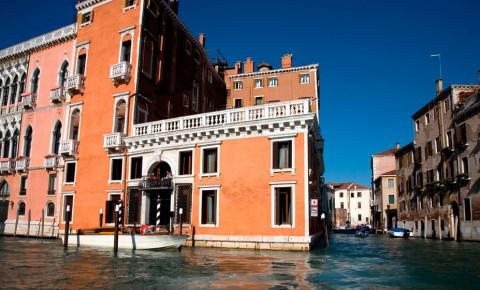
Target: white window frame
[79,47]
[259,83]
[126,8]
[215,188]
[109,196]
[118,98]
[193,163]
[110,180]
[276,82]
[240,86]
[82,15]
[202,149]
[65,175]
[282,184]
[306,80]
[130,163]
[437,145]
[259,97]
[282,139]
[417,125]
[46,209]
[64,208]
[124,32]
[68,128]
[427,118]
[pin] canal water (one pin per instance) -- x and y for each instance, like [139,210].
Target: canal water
[374,262]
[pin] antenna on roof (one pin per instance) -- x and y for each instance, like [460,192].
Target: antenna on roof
[439,64]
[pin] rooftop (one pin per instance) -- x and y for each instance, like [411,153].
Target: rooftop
[347,185]
[390,151]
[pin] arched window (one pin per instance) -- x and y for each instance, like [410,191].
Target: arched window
[21,208]
[15,144]
[4,190]
[27,145]
[82,61]
[57,135]
[75,124]
[63,74]
[22,85]
[6,91]
[6,145]
[13,93]
[35,81]
[50,209]
[120,116]
[1,144]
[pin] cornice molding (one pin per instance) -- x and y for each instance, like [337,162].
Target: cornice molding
[275,71]
[39,42]
[82,4]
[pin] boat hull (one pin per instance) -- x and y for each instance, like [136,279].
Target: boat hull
[399,233]
[126,241]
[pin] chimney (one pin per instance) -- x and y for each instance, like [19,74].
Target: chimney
[287,61]
[202,39]
[238,67]
[174,6]
[439,84]
[248,65]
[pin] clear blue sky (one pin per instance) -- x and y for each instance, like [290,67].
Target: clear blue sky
[375,69]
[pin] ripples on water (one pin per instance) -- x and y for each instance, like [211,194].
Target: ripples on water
[375,262]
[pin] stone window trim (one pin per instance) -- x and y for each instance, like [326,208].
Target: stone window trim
[201,189]
[110,180]
[284,138]
[66,175]
[202,149]
[72,209]
[273,187]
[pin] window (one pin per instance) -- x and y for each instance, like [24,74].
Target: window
[116,169]
[417,125]
[461,135]
[128,3]
[186,101]
[136,168]
[359,205]
[427,119]
[391,199]
[67,204]
[120,112]
[391,183]
[86,17]
[258,101]
[110,208]
[13,93]
[342,205]
[341,194]
[359,194]
[126,51]
[428,149]
[449,139]
[446,104]
[35,81]
[15,143]
[437,145]
[6,90]
[258,83]
[63,74]
[359,217]
[210,160]
[283,206]
[238,85]
[430,177]
[465,165]
[21,208]
[6,145]
[352,194]
[304,78]
[75,124]
[282,154]
[51,184]
[27,146]
[70,172]
[195,96]
[147,56]
[238,103]
[209,206]
[57,135]
[81,63]
[272,82]
[23,186]
[22,85]
[50,209]
[185,163]
[468,209]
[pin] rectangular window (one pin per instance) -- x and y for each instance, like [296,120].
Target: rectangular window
[465,165]
[359,217]
[352,195]
[359,205]
[461,135]
[342,205]
[272,82]
[427,119]
[185,160]
[195,96]
[110,208]
[81,64]
[136,168]
[417,125]
[437,145]
[237,85]
[51,184]
[209,207]
[147,57]
[116,169]
[391,199]
[359,194]
[428,149]
[70,172]
[282,154]
[259,101]
[126,50]
[304,78]
[449,139]
[23,186]
[258,83]
[86,17]
[447,105]
[67,202]
[128,3]
[238,103]
[468,209]
[210,160]
[391,183]
[283,206]
[341,194]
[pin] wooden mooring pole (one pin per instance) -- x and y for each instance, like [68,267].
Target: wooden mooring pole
[180,213]
[16,225]
[115,237]
[43,222]
[28,225]
[67,227]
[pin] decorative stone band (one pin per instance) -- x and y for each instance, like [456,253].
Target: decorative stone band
[275,71]
[42,41]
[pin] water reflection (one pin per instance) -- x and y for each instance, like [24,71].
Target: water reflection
[375,262]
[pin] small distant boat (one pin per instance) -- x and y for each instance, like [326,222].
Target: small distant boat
[127,241]
[400,233]
[345,230]
[362,232]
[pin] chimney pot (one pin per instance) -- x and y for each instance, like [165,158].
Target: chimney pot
[287,61]
[249,65]
[202,39]
[439,84]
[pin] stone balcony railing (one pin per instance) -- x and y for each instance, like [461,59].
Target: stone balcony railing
[21,164]
[68,147]
[57,95]
[226,117]
[120,72]
[50,161]
[29,100]
[113,141]
[7,165]
[74,84]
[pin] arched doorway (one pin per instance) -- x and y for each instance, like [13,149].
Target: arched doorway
[4,202]
[159,190]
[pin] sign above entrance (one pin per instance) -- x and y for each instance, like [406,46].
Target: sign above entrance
[156,183]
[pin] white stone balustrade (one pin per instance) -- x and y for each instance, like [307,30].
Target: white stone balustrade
[28,101]
[50,161]
[7,165]
[113,141]
[57,95]
[74,84]
[21,164]
[68,147]
[120,72]
[231,116]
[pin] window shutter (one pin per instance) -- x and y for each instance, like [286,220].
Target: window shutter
[275,155]
[277,206]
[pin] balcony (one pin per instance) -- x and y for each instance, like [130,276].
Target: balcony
[29,100]
[50,161]
[57,95]
[120,72]
[68,147]
[74,84]
[7,165]
[21,164]
[113,141]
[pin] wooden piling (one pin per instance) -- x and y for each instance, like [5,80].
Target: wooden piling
[16,225]
[439,228]
[43,222]
[115,238]
[67,226]
[28,225]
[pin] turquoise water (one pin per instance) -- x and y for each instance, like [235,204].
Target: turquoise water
[375,262]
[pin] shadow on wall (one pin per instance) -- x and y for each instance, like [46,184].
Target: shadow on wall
[2,228]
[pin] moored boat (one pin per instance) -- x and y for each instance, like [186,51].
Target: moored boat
[400,233]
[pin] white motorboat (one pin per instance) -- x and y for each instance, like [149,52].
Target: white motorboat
[400,233]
